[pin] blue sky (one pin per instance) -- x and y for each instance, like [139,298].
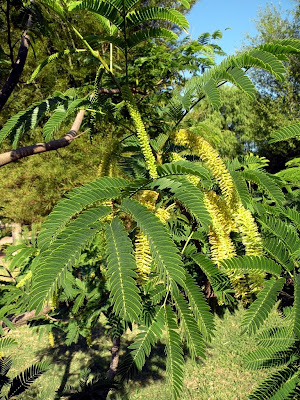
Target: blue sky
[239,15]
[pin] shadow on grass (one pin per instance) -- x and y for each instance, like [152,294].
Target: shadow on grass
[97,359]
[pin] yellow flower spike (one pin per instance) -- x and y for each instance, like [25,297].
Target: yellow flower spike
[141,131]
[105,167]
[211,158]
[249,232]
[142,257]
[51,339]
[26,278]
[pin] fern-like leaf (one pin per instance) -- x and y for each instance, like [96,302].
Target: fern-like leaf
[183,167]
[139,16]
[286,133]
[282,230]
[267,357]
[23,381]
[200,308]
[78,199]
[279,252]
[280,385]
[52,58]
[174,351]
[190,328]
[163,249]
[148,34]
[277,338]
[265,182]
[218,280]
[296,307]
[121,266]
[141,347]
[51,266]
[246,264]
[24,121]
[260,309]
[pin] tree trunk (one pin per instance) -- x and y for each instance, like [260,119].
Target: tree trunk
[17,69]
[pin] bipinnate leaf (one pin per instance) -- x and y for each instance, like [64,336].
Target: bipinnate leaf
[296,307]
[286,133]
[190,328]
[261,307]
[50,267]
[141,347]
[200,308]
[175,361]
[76,200]
[244,264]
[163,250]
[121,265]
[281,385]
[219,281]
[24,380]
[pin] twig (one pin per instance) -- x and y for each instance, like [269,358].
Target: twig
[21,152]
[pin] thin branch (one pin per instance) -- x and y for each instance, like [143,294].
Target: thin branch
[9,273]
[17,68]
[11,53]
[22,152]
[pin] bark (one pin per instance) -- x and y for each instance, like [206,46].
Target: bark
[18,66]
[21,152]
[114,361]
[21,319]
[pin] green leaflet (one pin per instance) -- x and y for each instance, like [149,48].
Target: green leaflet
[267,357]
[104,8]
[260,309]
[50,59]
[263,180]
[121,266]
[276,338]
[232,69]
[175,361]
[246,264]
[141,347]
[137,17]
[286,133]
[282,230]
[278,251]
[218,280]
[51,266]
[296,307]
[190,196]
[241,187]
[54,122]
[183,167]
[26,120]
[21,382]
[165,253]
[200,308]
[78,199]
[279,386]
[191,330]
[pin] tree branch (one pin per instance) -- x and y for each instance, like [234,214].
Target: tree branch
[18,66]
[21,152]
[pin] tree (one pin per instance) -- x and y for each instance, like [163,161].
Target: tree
[152,268]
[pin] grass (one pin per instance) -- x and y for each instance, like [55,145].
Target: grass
[221,376]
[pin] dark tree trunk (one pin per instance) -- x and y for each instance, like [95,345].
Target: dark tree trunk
[17,69]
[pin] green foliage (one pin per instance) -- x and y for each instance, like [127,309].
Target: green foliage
[259,310]
[166,202]
[121,266]
[20,383]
